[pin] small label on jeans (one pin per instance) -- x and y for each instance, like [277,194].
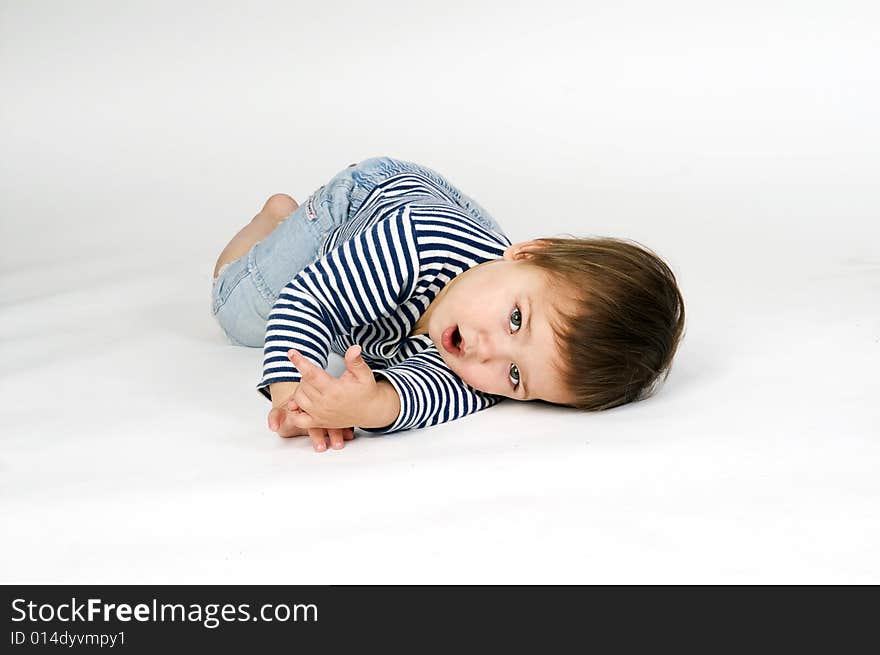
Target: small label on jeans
[311,212]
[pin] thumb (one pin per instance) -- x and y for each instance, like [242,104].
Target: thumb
[276,417]
[355,363]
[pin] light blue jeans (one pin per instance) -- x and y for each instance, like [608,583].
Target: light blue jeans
[246,289]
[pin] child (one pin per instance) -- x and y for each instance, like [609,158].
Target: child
[436,313]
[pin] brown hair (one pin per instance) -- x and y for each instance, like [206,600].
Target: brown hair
[628,323]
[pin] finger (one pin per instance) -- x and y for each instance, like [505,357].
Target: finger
[308,394]
[295,424]
[355,364]
[348,434]
[284,426]
[303,398]
[317,435]
[299,420]
[275,418]
[312,374]
[336,439]
[281,422]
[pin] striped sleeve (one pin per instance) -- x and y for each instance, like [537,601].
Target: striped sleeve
[365,277]
[430,393]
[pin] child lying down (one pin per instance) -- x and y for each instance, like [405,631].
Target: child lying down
[436,313]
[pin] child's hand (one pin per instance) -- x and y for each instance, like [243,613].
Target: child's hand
[326,402]
[280,421]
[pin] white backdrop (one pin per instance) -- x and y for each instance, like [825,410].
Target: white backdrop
[740,141]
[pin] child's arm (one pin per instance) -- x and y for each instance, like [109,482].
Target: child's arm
[281,392]
[379,414]
[429,393]
[385,411]
[355,398]
[359,281]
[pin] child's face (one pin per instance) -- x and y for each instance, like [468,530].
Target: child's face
[501,350]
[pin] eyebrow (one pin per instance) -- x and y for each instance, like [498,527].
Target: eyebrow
[529,332]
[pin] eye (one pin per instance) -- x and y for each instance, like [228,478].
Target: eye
[516,318]
[516,324]
[514,376]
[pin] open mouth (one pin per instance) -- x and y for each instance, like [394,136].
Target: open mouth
[452,340]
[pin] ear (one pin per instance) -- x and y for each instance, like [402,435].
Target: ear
[520,250]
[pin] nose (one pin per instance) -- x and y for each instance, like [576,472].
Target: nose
[484,348]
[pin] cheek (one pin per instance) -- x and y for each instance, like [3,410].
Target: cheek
[480,377]
[468,373]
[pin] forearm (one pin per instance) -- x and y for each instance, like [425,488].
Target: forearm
[385,410]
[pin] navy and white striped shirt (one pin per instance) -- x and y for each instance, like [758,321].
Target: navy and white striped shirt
[374,278]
